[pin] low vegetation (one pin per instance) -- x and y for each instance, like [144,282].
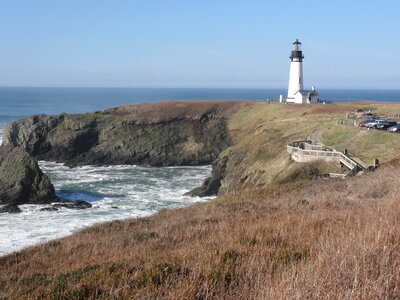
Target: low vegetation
[376,144]
[274,234]
[337,135]
[261,132]
[301,171]
[147,113]
[329,239]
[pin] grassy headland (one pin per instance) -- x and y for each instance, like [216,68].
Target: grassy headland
[270,234]
[261,132]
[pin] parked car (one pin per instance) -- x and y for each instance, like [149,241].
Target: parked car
[386,125]
[363,123]
[374,123]
[395,128]
[367,115]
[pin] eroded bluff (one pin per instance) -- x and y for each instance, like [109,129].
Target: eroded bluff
[169,133]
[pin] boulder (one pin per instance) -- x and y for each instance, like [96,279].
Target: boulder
[10,208]
[21,180]
[76,204]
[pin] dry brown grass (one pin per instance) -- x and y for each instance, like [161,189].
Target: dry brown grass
[163,111]
[333,108]
[367,102]
[326,240]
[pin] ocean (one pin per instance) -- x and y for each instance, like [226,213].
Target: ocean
[116,192]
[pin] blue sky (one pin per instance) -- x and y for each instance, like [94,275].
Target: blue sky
[347,44]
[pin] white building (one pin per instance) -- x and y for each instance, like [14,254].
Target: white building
[296,93]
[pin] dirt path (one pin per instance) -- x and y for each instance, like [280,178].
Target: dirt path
[315,137]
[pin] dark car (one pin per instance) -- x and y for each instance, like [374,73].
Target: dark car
[395,128]
[386,125]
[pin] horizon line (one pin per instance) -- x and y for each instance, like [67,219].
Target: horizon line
[181,87]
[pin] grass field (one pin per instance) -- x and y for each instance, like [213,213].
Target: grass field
[336,135]
[273,234]
[262,131]
[336,240]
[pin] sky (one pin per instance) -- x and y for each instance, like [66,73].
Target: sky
[203,43]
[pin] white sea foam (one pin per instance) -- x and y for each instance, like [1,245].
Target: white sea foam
[116,192]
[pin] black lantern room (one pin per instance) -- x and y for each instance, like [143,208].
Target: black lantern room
[297,54]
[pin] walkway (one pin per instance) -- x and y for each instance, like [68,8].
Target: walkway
[315,137]
[306,151]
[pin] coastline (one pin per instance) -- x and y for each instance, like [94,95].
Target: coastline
[230,183]
[111,200]
[269,213]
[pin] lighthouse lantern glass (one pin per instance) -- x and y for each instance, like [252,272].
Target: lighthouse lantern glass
[297,47]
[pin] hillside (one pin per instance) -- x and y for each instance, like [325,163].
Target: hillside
[261,132]
[270,234]
[333,240]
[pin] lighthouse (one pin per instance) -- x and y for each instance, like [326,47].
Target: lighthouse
[296,70]
[296,93]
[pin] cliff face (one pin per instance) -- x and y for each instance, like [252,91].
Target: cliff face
[167,133]
[21,180]
[245,141]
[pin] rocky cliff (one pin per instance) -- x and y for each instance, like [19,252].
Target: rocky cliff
[244,140]
[168,133]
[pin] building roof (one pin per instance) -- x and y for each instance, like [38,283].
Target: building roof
[297,42]
[307,93]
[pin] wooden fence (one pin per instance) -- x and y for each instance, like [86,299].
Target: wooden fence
[300,153]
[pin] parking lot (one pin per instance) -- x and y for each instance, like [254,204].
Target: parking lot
[368,120]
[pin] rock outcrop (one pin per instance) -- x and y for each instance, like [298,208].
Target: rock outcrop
[75,204]
[211,185]
[169,133]
[22,181]
[10,208]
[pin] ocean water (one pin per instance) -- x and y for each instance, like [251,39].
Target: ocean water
[116,192]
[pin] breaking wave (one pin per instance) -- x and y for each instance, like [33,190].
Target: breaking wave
[116,192]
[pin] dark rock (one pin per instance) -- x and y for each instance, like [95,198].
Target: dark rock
[50,208]
[10,208]
[76,204]
[212,184]
[167,133]
[31,133]
[154,134]
[21,180]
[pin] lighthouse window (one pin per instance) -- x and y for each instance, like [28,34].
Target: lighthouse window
[297,47]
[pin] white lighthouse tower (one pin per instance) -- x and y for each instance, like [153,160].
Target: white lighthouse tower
[296,93]
[296,70]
